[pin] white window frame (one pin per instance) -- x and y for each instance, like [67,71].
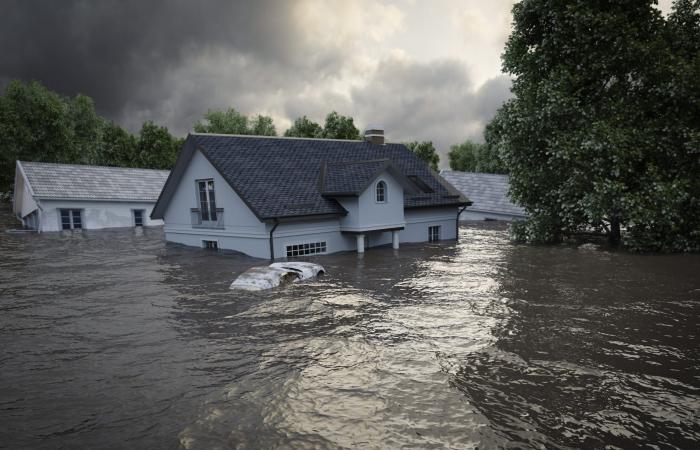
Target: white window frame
[385,191]
[434,233]
[306,249]
[143,217]
[71,219]
[209,218]
[210,244]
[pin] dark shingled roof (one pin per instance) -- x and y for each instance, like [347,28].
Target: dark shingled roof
[280,177]
[350,178]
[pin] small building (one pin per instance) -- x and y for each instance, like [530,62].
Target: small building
[274,197]
[54,197]
[488,193]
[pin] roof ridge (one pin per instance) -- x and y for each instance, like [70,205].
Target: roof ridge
[90,166]
[357,161]
[447,171]
[282,137]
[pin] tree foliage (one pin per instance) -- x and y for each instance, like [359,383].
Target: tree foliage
[262,126]
[305,128]
[340,127]
[470,156]
[37,124]
[156,148]
[425,151]
[336,126]
[230,121]
[604,129]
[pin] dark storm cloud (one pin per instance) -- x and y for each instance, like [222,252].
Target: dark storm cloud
[119,52]
[430,101]
[170,61]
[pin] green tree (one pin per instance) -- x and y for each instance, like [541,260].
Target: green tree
[464,156]
[425,151]
[118,147]
[473,157]
[35,125]
[87,130]
[603,130]
[156,147]
[262,126]
[340,127]
[229,121]
[304,127]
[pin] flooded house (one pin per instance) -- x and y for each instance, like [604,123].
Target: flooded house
[274,197]
[488,193]
[54,197]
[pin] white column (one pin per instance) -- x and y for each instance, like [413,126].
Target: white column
[395,239]
[360,243]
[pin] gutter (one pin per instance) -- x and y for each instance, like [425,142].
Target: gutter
[272,244]
[457,222]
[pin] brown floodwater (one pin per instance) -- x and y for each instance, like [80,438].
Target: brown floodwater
[114,339]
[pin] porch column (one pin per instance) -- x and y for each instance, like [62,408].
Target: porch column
[360,243]
[395,239]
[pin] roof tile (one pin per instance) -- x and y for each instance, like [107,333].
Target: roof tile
[82,182]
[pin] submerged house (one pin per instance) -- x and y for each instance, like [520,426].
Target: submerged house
[54,197]
[273,197]
[488,193]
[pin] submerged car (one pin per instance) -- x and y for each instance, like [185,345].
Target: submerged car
[268,277]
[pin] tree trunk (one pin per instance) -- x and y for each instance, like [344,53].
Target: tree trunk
[614,236]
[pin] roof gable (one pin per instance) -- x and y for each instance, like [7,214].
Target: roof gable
[279,177]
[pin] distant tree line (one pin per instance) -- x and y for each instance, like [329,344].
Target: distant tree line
[37,124]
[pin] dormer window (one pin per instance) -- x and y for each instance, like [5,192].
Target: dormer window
[381,192]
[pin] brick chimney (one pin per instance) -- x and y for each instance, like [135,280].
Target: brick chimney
[374,135]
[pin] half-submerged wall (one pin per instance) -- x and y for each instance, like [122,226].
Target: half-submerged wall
[241,230]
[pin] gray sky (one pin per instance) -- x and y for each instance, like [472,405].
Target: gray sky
[425,70]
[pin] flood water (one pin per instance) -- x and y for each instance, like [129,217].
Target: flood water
[114,339]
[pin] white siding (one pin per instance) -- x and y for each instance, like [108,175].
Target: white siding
[23,201]
[418,220]
[307,232]
[95,214]
[365,213]
[242,230]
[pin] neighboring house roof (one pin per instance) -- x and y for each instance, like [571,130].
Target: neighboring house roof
[487,191]
[281,177]
[81,182]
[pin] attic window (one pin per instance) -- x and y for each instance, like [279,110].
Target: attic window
[422,185]
[381,192]
[207,200]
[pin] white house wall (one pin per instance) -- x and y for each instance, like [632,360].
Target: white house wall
[242,230]
[329,231]
[419,219]
[389,214]
[364,212]
[95,214]
[307,232]
[23,201]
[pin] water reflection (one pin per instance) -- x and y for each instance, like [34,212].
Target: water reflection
[115,337]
